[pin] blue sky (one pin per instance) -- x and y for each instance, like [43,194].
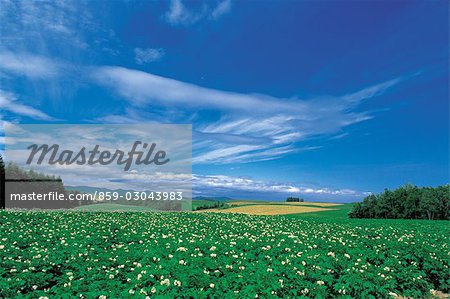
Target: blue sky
[326,100]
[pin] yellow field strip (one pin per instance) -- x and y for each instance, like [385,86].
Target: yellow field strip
[319,204]
[249,202]
[268,210]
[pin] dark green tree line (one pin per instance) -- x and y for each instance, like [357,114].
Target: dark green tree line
[2,183]
[294,199]
[406,202]
[24,182]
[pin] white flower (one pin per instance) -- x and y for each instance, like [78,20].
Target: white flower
[211,286]
[320,282]
[153,290]
[213,248]
[165,282]
[102,297]
[341,291]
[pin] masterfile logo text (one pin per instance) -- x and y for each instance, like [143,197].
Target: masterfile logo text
[68,166]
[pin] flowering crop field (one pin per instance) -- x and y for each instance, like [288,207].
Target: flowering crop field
[215,255]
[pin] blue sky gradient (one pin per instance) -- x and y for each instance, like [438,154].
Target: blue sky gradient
[326,100]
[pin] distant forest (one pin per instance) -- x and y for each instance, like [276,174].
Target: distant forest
[2,183]
[22,181]
[406,202]
[294,199]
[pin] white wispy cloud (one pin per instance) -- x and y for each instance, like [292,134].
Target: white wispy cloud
[8,102]
[340,136]
[29,65]
[252,127]
[371,91]
[228,152]
[221,9]
[148,55]
[32,23]
[41,45]
[142,88]
[179,14]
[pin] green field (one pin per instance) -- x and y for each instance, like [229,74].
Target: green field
[212,255]
[338,213]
